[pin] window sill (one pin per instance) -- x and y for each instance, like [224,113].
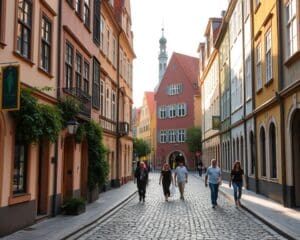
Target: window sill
[269,82]
[45,72]
[257,7]
[24,58]
[292,59]
[259,90]
[12,200]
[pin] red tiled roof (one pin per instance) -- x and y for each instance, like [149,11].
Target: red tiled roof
[150,101]
[190,65]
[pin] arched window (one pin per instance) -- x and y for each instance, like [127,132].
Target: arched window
[233,150]
[252,159]
[242,151]
[272,142]
[262,139]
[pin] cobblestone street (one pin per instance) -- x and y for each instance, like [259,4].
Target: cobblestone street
[193,218]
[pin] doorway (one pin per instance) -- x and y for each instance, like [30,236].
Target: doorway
[173,160]
[296,155]
[68,168]
[43,178]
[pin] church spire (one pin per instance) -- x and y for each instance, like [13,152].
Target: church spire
[163,56]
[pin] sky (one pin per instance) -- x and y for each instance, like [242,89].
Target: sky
[184,24]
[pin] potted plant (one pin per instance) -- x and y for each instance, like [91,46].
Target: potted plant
[74,206]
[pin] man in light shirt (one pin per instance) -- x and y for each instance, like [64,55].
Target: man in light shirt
[181,176]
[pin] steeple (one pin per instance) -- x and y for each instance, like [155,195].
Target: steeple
[163,56]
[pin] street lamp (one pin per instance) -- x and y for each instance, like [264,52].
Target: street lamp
[72,126]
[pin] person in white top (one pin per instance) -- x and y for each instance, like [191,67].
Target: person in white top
[181,176]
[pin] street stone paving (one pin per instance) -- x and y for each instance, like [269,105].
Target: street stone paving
[192,219]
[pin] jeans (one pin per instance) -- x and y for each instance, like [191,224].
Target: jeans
[214,190]
[237,190]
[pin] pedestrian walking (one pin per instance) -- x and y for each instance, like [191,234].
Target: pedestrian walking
[141,176]
[214,178]
[181,176]
[200,166]
[236,179]
[166,179]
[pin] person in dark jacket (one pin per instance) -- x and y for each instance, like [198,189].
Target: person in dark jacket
[141,176]
[236,178]
[166,179]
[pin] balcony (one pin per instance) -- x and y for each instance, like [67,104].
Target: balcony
[83,98]
[123,128]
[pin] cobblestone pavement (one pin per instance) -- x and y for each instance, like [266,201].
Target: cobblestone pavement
[193,218]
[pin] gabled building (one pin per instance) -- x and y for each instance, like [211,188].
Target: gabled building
[174,100]
[146,125]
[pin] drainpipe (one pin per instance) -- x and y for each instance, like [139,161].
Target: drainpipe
[117,180]
[280,87]
[55,158]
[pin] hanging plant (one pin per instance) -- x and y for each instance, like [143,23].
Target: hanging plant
[69,108]
[35,121]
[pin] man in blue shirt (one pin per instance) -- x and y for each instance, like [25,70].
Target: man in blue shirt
[213,174]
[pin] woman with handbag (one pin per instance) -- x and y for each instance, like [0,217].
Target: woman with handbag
[166,179]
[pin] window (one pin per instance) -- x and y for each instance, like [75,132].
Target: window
[102,97]
[69,65]
[24,28]
[102,26]
[96,84]
[96,32]
[181,110]
[172,136]
[86,16]
[107,107]
[262,137]
[163,136]
[272,142]
[86,76]
[78,71]
[163,112]
[114,52]
[181,135]
[46,44]
[107,43]
[172,111]
[258,67]
[248,77]
[78,7]
[268,40]
[113,106]
[20,168]
[291,19]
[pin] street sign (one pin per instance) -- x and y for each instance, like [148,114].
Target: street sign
[10,88]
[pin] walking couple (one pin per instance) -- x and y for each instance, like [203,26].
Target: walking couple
[180,177]
[214,179]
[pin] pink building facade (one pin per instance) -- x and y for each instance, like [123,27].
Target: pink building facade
[175,111]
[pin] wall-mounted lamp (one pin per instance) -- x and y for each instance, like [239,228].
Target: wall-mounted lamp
[72,126]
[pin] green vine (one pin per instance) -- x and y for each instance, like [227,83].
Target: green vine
[98,169]
[69,108]
[35,120]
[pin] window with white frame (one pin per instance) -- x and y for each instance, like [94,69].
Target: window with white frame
[174,89]
[268,40]
[248,77]
[291,18]
[172,136]
[107,105]
[107,53]
[102,27]
[114,52]
[181,109]
[113,106]
[163,112]
[172,111]
[86,13]
[163,136]
[181,135]
[258,67]
[102,97]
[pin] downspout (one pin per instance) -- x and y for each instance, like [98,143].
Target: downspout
[55,159]
[244,104]
[253,102]
[281,105]
[117,182]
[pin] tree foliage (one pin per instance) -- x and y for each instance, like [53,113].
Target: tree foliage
[193,139]
[141,147]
